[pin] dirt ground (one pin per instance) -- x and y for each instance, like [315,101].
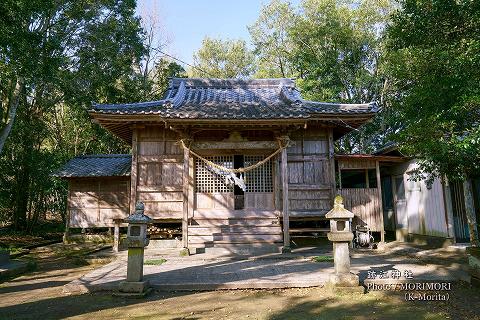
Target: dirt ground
[38,295]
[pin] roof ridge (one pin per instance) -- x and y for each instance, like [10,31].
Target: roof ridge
[178,98]
[286,95]
[230,82]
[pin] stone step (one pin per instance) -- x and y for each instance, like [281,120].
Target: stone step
[236,238]
[247,238]
[242,249]
[164,243]
[239,214]
[259,222]
[202,230]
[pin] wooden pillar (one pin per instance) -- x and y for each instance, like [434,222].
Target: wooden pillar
[133,174]
[116,236]
[380,201]
[186,175]
[285,209]
[331,155]
[191,187]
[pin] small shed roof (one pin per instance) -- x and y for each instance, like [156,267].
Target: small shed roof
[389,149]
[96,165]
[233,99]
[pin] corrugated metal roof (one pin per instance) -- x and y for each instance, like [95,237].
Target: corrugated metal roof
[233,99]
[96,165]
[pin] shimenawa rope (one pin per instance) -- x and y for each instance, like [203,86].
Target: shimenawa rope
[239,170]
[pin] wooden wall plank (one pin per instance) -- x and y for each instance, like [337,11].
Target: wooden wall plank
[96,202]
[160,173]
[309,165]
[259,200]
[214,200]
[364,203]
[356,164]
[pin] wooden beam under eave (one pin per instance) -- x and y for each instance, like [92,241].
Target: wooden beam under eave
[235,145]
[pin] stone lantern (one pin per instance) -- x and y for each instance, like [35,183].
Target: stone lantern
[136,242]
[341,235]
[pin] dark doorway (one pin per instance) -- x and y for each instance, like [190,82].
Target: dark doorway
[387,202]
[239,194]
[459,215]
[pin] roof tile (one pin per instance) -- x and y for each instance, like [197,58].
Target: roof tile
[97,165]
[233,99]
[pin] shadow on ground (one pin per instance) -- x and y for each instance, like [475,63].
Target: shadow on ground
[313,303]
[39,296]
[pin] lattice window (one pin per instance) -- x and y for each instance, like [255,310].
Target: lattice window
[209,182]
[259,179]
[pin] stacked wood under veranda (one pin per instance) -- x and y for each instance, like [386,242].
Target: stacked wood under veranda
[165,231]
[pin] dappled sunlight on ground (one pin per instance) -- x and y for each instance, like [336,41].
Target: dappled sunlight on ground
[38,295]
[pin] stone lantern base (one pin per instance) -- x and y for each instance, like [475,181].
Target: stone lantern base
[344,280]
[133,289]
[345,283]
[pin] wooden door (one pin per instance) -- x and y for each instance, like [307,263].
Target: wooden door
[401,216]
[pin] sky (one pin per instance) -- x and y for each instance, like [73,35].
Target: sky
[184,23]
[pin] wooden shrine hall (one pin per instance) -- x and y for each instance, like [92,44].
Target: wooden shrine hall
[233,160]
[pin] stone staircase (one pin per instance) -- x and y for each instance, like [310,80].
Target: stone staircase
[236,236]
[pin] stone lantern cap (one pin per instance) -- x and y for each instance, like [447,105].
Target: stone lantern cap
[339,211]
[138,216]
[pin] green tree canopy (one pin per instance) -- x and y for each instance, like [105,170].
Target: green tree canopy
[223,59]
[337,49]
[55,58]
[273,45]
[434,59]
[164,70]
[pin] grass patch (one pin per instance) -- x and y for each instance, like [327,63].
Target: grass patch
[322,259]
[155,262]
[184,252]
[13,250]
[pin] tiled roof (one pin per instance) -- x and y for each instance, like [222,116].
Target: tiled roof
[233,99]
[96,165]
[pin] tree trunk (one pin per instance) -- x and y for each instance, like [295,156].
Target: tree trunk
[470,212]
[21,206]
[12,112]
